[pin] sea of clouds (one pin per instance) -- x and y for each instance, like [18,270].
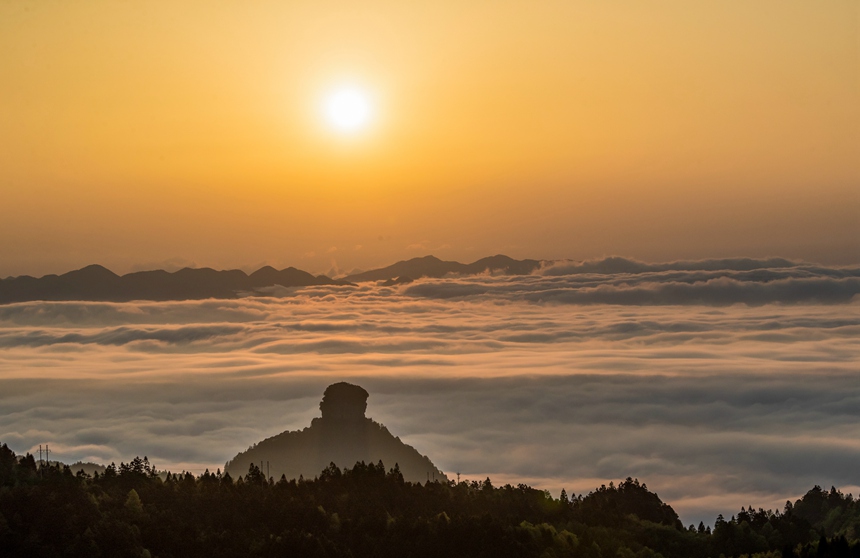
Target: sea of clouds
[718,383]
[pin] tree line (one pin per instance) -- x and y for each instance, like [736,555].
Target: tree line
[133,510]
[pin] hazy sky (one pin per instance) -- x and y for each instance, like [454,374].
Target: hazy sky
[164,133]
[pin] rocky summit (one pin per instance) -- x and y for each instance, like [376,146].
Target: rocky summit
[343,435]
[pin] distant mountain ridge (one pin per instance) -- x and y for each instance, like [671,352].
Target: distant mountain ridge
[431,266]
[98,283]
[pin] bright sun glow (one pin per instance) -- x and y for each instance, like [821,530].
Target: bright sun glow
[348,109]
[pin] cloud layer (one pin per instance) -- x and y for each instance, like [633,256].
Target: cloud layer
[713,405]
[622,281]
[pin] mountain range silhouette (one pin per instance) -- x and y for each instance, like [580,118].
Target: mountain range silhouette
[97,283]
[431,266]
[343,435]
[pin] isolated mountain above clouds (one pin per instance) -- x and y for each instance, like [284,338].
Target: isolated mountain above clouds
[343,435]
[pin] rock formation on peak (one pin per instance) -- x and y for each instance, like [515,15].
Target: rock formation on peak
[343,401]
[343,435]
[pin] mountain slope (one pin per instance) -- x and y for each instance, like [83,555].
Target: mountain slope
[343,436]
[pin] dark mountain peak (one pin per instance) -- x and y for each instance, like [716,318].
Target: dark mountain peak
[93,272]
[343,435]
[498,259]
[505,264]
[343,401]
[424,266]
[265,276]
[265,270]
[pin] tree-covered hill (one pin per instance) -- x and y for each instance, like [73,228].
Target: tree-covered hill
[367,510]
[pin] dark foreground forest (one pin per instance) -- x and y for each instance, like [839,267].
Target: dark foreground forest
[132,510]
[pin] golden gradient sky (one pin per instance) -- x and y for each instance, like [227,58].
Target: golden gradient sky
[140,134]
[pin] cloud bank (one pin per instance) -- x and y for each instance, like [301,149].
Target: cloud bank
[629,282]
[714,404]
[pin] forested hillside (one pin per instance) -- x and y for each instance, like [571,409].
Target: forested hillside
[367,510]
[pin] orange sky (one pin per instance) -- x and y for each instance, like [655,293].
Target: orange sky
[155,134]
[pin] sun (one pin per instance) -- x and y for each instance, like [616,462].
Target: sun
[348,109]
